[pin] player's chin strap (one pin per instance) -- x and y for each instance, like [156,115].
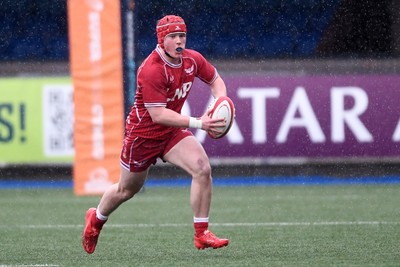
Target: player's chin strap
[168,54]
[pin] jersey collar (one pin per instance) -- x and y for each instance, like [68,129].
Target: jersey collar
[159,51]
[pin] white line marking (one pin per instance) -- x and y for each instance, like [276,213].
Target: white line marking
[175,225]
[31,265]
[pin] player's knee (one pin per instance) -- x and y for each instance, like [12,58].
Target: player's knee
[202,168]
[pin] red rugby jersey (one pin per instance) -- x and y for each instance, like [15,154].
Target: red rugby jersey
[162,84]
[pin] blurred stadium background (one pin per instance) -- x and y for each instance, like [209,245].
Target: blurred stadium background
[269,38]
[272,29]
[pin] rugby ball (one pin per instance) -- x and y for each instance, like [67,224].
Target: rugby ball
[222,107]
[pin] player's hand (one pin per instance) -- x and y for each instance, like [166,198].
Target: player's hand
[213,125]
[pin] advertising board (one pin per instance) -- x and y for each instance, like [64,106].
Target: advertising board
[277,118]
[36,120]
[289,118]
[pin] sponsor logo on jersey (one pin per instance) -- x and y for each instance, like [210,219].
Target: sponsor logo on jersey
[181,92]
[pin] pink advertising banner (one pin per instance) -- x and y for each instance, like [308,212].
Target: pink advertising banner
[312,117]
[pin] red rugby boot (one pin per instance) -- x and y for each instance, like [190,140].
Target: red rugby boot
[91,231]
[209,240]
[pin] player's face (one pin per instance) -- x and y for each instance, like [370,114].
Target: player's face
[174,44]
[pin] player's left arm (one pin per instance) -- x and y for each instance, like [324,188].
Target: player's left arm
[218,87]
[208,74]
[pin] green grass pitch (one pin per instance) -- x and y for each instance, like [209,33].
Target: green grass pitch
[353,225]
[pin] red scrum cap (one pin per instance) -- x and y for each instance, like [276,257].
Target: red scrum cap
[169,24]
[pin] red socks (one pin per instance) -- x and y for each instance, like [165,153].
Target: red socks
[200,227]
[98,223]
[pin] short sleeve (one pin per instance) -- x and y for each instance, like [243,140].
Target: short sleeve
[153,84]
[205,70]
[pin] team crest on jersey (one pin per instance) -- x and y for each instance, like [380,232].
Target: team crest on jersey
[171,78]
[189,71]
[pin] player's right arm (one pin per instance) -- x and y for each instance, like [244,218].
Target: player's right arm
[168,117]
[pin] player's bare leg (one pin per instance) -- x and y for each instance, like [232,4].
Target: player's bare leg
[126,188]
[190,156]
[129,184]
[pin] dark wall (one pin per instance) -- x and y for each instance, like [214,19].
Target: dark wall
[359,28]
[235,29]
